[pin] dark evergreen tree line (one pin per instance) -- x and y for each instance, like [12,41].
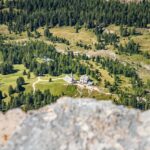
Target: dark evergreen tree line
[29,101]
[134,101]
[115,67]
[124,31]
[6,68]
[59,64]
[53,38]
[130,48]
[23,14]
[105,39]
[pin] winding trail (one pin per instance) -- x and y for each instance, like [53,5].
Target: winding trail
[79,91]
[80,87]
[41,80]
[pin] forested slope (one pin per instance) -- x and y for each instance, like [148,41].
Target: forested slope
[54,38]
[30,14]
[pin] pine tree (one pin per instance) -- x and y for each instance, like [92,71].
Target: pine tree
[24,72]
[77,27]
[1,95]
[50,79]
[28,75]
[10,90]
[47,32]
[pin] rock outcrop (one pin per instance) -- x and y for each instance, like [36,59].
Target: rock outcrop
[82,124]
[8,124]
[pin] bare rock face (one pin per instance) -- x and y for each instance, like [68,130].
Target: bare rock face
[8,124]
[83,124]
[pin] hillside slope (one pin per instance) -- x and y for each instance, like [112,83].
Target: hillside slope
[83,124]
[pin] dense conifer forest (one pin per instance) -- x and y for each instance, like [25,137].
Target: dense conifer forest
[31,14]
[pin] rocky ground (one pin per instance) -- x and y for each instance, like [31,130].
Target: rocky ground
[9,123]
[82,124]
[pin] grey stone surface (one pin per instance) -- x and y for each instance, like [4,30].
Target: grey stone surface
[8,123]
[83,124]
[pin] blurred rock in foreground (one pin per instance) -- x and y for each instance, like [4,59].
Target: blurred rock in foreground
[82,124]
[8,124]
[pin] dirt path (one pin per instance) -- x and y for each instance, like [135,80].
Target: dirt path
[79,91]
[36,82]
[80,87]
[41,80]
